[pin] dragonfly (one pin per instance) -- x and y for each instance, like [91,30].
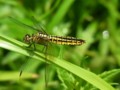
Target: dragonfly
[42,38]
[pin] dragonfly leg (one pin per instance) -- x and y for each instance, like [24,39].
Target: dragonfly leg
[43,49]
[30,45]
[34,47]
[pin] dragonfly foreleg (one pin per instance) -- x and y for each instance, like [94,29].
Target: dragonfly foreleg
[30,45]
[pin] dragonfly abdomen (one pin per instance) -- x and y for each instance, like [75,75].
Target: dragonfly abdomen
[65,40]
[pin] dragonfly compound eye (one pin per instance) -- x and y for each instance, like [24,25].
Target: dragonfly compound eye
[27,38]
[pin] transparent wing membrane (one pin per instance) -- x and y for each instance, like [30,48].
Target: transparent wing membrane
[22,24]
[38,25]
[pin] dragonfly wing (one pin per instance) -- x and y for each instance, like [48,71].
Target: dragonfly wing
[38,25]
[22,24]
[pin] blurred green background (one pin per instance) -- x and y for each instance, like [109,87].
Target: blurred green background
[95,21]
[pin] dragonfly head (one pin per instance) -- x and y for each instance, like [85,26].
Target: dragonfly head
[27,38]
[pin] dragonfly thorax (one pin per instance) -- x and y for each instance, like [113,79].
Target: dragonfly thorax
[36,39]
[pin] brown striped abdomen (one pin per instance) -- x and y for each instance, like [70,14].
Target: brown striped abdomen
[65,40]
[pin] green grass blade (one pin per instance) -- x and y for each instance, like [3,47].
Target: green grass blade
[19,47]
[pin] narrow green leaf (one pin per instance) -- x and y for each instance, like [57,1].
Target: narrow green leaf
[16,46]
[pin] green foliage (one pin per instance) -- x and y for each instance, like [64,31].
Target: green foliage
[93,65]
